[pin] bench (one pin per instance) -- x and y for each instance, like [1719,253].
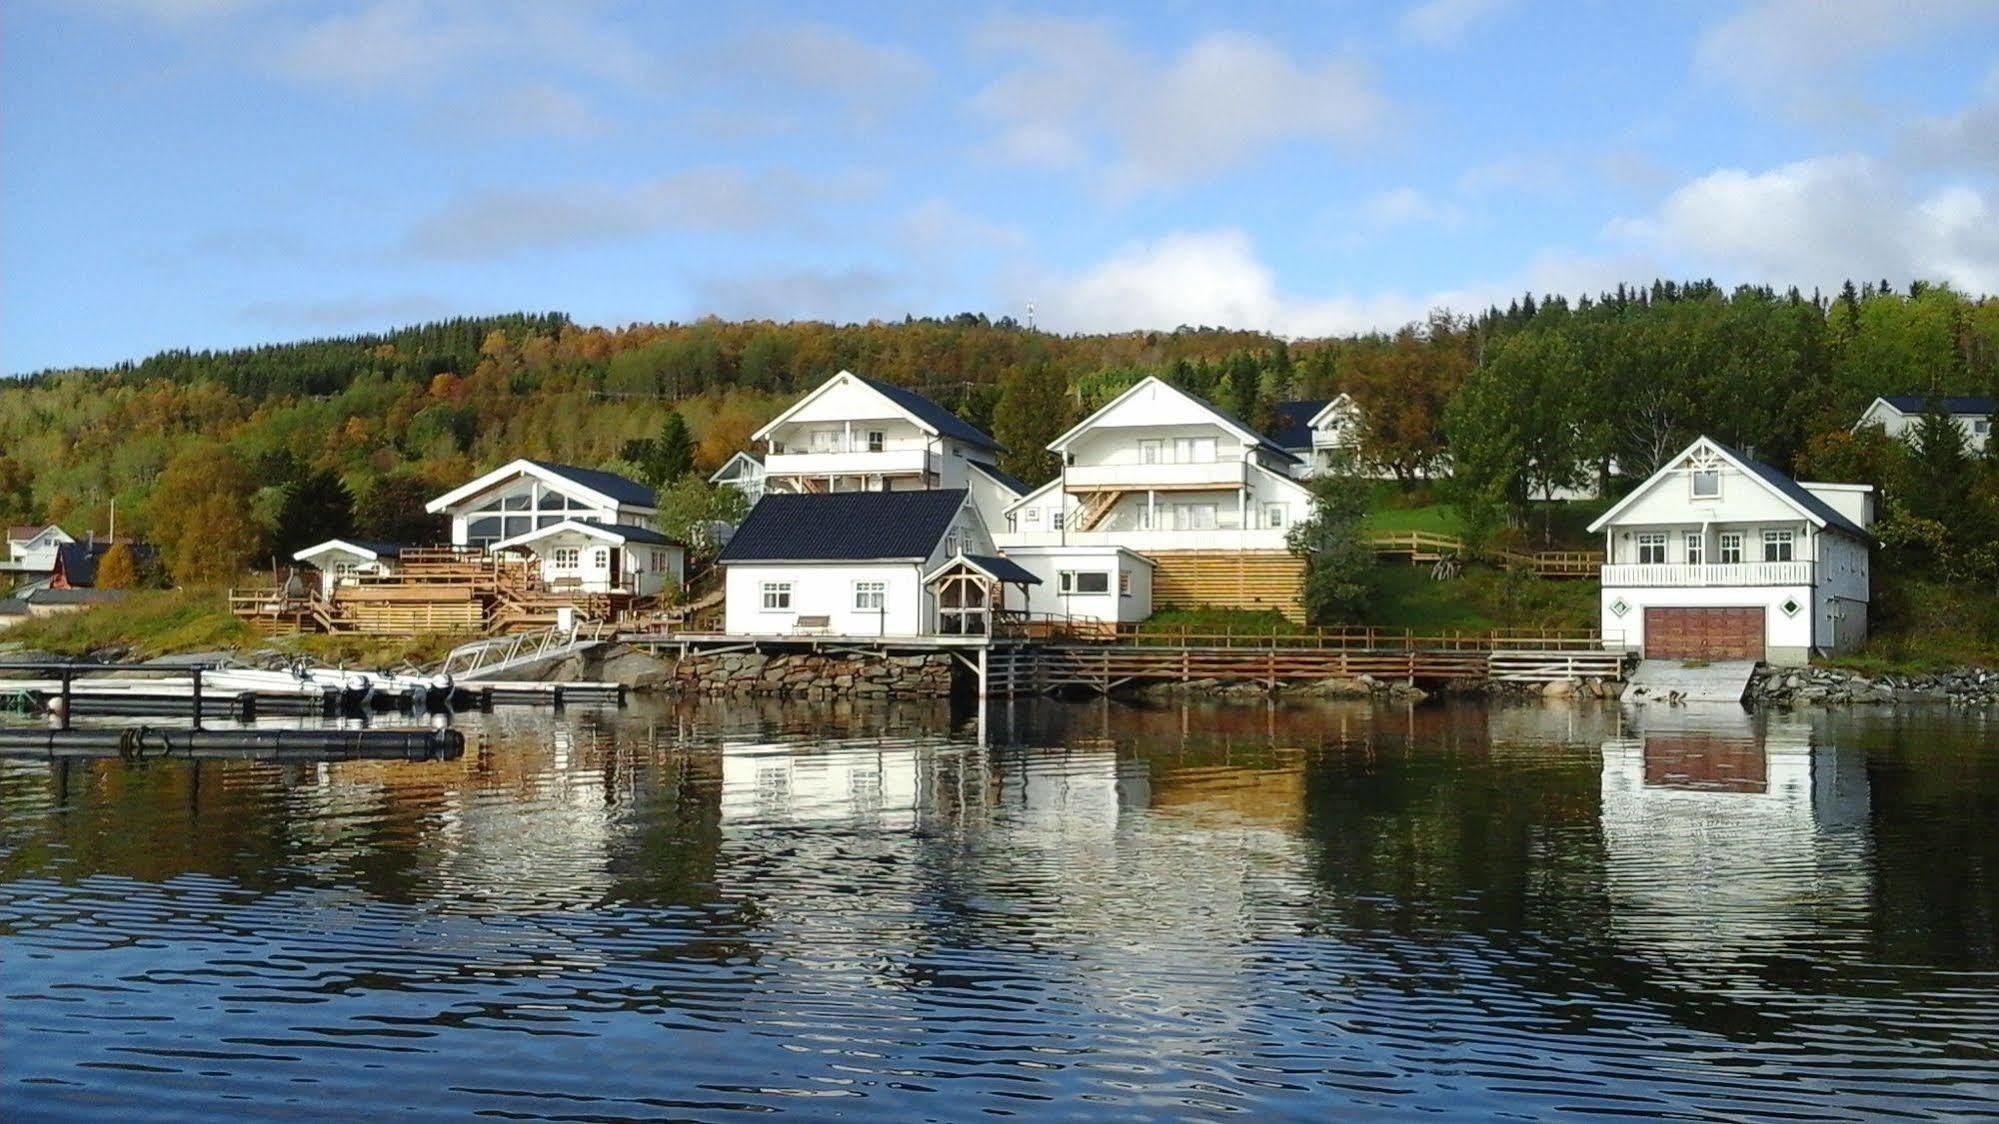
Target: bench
[812,624]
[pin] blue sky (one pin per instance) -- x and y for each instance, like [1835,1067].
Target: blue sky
[209,173]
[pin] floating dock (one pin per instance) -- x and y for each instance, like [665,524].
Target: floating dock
[139,743]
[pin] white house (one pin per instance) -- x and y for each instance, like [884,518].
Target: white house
[1718,556]
[343,561]
[1897,414]
[856,434]
[584,557]
[1102,583]
[743,472]
[865,563]
[1158,469]
[32,549]
[526,495]
[1318,432]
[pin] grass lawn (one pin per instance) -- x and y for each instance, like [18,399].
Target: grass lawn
[146,622]
[1919,624]
[1480,599]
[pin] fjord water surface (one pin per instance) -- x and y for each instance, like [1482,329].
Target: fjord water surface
[1098,912]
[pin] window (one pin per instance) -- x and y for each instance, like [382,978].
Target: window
[1273,516]
[1696,548]
[877,440]
[1083,581]
[565,557]
[1730,543]
[870,597]
[1193,450]
[1055,520]
[776,596]
[951,545]
[1981,427]
[1148,452]
[825,440]
[1034,515]
[1707,483]
[1651,548]
[1777,545]
[1124,583]
[1194,516]
[600,558]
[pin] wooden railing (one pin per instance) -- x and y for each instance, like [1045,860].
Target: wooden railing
[1362,638]
[1428,546]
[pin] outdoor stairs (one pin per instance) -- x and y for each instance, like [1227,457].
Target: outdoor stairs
[494,656]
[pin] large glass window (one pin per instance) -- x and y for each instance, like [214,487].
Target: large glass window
[1777,545]
[1651,548]
[1083,581]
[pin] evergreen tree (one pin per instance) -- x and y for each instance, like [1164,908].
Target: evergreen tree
[317,507]
[392,510]
[1034,408]
[673,451]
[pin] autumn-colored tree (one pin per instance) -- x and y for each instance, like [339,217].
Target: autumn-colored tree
[118,569]
[727,433]
[199,516]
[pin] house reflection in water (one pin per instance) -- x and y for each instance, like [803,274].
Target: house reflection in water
[1730,835]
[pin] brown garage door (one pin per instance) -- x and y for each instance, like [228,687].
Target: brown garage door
[1705,634]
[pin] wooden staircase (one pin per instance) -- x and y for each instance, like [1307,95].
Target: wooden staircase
[1096,505]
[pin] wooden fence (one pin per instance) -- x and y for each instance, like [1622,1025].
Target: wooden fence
[1425,547]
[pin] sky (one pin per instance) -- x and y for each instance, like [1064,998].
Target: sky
[211,173]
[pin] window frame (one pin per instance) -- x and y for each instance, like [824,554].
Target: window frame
[1694,483]
[1695,544]
[1647,541]
[870,589]
[1780,541]
[566,558]
[1727,543]
[1069,584]
[1276,509]
[774,597]
[877,440]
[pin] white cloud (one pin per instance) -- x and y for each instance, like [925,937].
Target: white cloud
[1406,206]
[856,294]
[529,107]
[1819,222]
[1075,89]
[817,59]
[503,223]
[1444,23]
[941,231]
[1215,278]
[424,43]
[1968,138]
[1803,54]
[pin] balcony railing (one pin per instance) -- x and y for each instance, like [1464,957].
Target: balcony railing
[1217,538]
[888,462]
[1218,474]
[1732,573]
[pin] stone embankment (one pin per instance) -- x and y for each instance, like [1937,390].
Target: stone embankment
[797,675]
[1833,686]
[1360,687]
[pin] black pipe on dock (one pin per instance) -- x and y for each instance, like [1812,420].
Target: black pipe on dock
[143,742]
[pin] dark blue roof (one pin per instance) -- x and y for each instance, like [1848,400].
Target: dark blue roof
[1018,486]
[933,415]
[610,484]
[1917,403]
[1291,424]
[631,533]
[381,548]
[1798,494]
[844,526]
[1005,569]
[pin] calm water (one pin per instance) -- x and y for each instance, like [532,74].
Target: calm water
[1103,913]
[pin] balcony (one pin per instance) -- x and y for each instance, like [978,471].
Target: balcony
[1720,574]
[1217,538]
[888,462]
[1169,477]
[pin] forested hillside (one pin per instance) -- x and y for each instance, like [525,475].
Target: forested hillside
[237,454]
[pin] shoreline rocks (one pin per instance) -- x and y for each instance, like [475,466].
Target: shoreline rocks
[795,675]
[1833,686]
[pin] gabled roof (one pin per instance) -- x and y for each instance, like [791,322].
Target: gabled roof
[845,527]
[1228,421]
[1810,506]
[76,562]
[609,532]
[1291,422]
[366,548]
[925,413]
[991,565]
[27,532]
[992,472]
[1960,406]
[1030,497]
[735,461]
[13,607]
[613,489]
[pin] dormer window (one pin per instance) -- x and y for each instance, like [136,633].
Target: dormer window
[1707,483]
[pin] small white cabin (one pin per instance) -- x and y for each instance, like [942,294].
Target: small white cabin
[527,495]
[32,549]
[580,557]
[1718,556]
[345,561]
[1897,415]
[1103,584]
[1319,432]
[890,563]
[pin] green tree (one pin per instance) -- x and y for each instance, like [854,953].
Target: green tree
[1034,408]
[199,516]
[1515,427]
[392,510]
[1339,560]
[317,506]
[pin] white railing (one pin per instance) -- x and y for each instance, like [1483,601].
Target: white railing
[1221,474]
[1220,538]
[484,657]
[1733,573]
[888,462]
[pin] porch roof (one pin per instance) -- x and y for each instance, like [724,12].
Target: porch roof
[620,533]
[991,565]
